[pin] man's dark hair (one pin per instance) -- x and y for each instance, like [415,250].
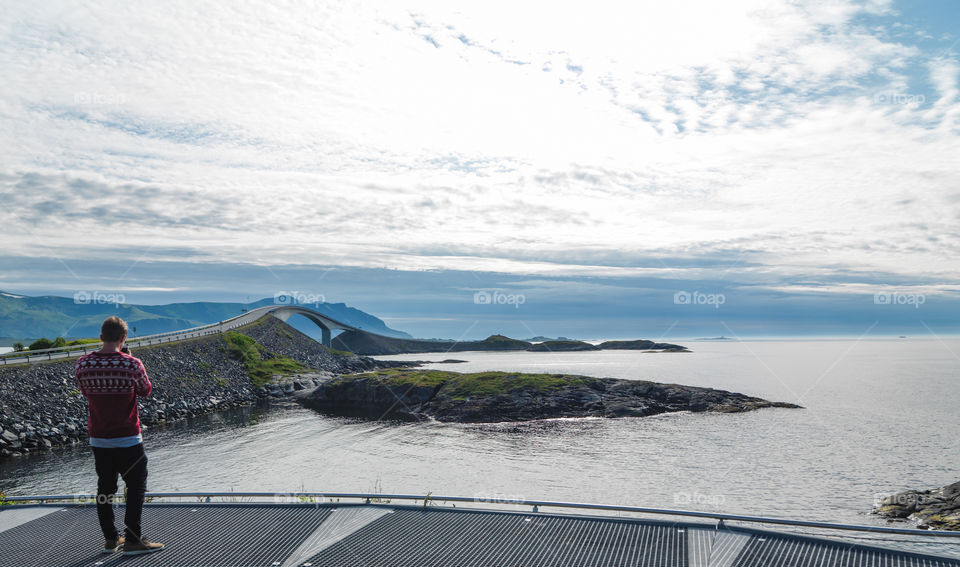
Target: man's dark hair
[113,329]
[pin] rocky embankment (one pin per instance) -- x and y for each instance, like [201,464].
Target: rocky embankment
[41,408]
[368,344]
[503,396]
[935,509]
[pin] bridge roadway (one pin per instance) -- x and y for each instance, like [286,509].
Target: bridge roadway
[282,312]
[327,530]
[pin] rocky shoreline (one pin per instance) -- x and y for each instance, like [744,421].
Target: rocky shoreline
[934,509]
[501,396]
[41,408]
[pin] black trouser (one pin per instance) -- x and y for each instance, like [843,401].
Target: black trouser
[131,464]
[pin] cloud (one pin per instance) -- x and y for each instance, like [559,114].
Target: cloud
[752,141]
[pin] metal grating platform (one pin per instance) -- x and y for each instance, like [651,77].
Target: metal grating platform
[781,549]
[213,536]
[332,535]
[471,538]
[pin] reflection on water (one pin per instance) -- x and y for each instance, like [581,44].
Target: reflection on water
[880,417]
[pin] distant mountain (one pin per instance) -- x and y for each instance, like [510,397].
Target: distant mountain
[27,317]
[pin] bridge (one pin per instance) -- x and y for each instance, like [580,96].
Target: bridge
[283,312]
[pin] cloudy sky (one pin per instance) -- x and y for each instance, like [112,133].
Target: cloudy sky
[796,159]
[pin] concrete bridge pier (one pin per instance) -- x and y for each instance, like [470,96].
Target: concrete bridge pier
[326,325]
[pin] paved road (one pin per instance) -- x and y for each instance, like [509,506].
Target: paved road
[212,328]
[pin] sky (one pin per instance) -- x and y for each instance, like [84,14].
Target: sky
[684,168]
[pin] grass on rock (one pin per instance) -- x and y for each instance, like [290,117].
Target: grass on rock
[260,363]
[460,386]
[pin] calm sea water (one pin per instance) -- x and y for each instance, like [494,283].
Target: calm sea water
[881,416]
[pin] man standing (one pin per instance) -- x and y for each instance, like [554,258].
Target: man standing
[111,380]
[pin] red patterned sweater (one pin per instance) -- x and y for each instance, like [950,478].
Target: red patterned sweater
[111,383]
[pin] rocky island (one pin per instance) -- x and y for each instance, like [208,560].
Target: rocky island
[936,509]
[370,344]
[410,394]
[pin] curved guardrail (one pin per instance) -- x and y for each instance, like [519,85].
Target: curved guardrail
[370,498]
[158,338]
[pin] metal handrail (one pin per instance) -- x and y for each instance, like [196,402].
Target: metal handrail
[134,340]
[372,498]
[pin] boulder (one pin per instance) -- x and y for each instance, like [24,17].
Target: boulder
[937,508]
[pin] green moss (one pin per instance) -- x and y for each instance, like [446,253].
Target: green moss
[477,384]
[339,352]
[261,364]
[940,521]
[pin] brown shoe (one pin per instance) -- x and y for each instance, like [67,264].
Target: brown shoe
[141,547]
[113,545]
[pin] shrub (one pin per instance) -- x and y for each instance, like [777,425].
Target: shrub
[41,344]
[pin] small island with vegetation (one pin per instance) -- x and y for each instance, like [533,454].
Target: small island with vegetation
[370,344]
[410,394]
